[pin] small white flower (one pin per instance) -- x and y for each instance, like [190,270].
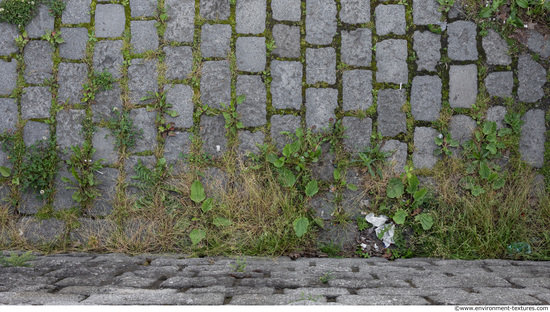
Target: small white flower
[41,192]
[89,160]
[1,9]
[115,109]
[363,245]
[218,148]
[440,136]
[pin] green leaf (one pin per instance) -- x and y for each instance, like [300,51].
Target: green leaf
[438,141]
[197,192]
[66,180]
[300,226]
[400,216]
[477,190]
[312,188]
[523,3]
[221,221]
[287,178]
[489,127]
[395,188]
[486,12]
[504,131]
[467,182]
[413,184]
[5,171]
[498,184]
[491,147]
[196,236]
[277,162]
[336,174]
[351,186]
[241,99]
[420,194]
[207,205]
[484,170]
[425,220]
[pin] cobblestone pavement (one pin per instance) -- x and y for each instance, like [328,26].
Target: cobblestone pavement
[118,279]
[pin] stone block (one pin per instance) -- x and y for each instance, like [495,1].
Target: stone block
[424,143]
[286,86]
[71,77]
[40,232]
[320,106]
[462,44]
[91,231]
[357,47]
[109,20]
[8,33]
[390,19]
[462,129]
[391,119]
[280,123]
[212,132]
[398,159]
[287,41]
[8,76]
[532,77]
[38,62]
[531,143]
[538,43]
[181,25]
[321,65]
[36,103]
[145,121]
[500,84]
[104,144]
[286,10]
[30,204]
[357,89]
[106,102]
[426,98]
[63,197]
[253,110]
[177,145]
[77,11]
[391,60]
[215,9]
[215,40]
[40,22]
[143,8]
[108,56]
[179,62]
[34,132]
[144,36]
[462,85]
[355,11]
[143,78]
[248,141]
[74,47]
[215,84]
[496,49]
[427,45]
[426,12]
[8,111]
[181,98]
[103,205]
[250,16]
[496,114]
[251,54]
[320,21]
[358,133]
[69,127]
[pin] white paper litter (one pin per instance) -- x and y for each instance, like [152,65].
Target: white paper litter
[380,225]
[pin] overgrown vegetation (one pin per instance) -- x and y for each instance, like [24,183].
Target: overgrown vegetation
[21,12]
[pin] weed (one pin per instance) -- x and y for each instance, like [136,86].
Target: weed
[15,260]
[362,224]
[98,82]
[373,158]
[17,12]
[163,107]
[325,278]
[240,264]
[445,5]
[39,167]
[231,116]
[123,130]
[21,41]
[83,170]
[331,249]
[445,143]
[270,45]
[56,7]
[53,37]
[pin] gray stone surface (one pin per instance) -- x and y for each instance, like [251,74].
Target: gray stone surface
[461,128]
[63,197]
[287,41]
[179,62]
[215,40]
[355,11]
[106,102]
[320,21]
[248,141]
[44,231]
[321,65]
[36,102]
[38,62]
[104,144]
[339,234]
[8,76]
[69,126]
[356,47]
[462,85]
[109,20]
[8,33]
[320,106]
[40,22]
[146,121]
[181,98]
[253,110]
[142,76]
[35,131]
[71,77]
[357,89]
[143,8]
[391,119]
[497,114]
[215,84]
[531,144]
[108,56]
[500,84]
[77,11]
[8,111]
[423,156]
[286,10]
[250,16]
[462,44]
[390,19]
[286,86]
[538,43]
[427,45]
[426,98]
[175,145]
[212,132]
[103,205]
[215,9]
[280,123]
[30,204]
[358,133]
[532,77]
[391,60]
[74,47]
[426,12]
[398,159]
[181,26]
[251,54]
[496,49]
[144,36]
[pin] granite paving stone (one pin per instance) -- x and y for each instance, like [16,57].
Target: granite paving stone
[532,77]
[462,44]
[500,84]
[35,131]
[461,128]
[320,106]
[143,8]
[358,133]
[40,22]
[321,65]
[74,47]
[277,299]
[357,47]
[426,46]
[320,21]
[8,76]
[26,298]
[48,230]
[175,145]
[423,156]
[142,76]
[538,43]
[390,19]
[286,10]
[250,16]
[8,111]
[212,132]
[531,143]
[145,121]
[391,119]
[280,123]
[391,60]
[71,77]
[381,300]
[181,98]
[357,89]
[354,11]
[76,12]
[106,103]
[144,36]
[287,41]
[179,62]
[251,54]
[215,9]
[496,114]
[249,141]
[426,12]
[215,40]
[286,84]
[496,49]
[69,125]
[398,158]
[8,33]
[35,103]
[215,83]
[63,197]
[109,20]
[108,56]
[426,98]
[38,62]
[462,85]
[253,110]
[104,144]
[181,24]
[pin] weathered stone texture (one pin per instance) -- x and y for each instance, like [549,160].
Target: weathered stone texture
[145,121]
[181,25]
[320,106]
[143,78]
[179,62]
[286,86]
[287,41]
[215,40]
[357,47]
[531,144]
[426,98]
[358,133]
[462,85]
[357,89]
[36,102]
[77,11]
[280,123]
[426,12]
[424,142]
[144,36]
[108,56]
[427,45]
[286,10]
[71,77]
[253,110]
[38,62]
[532,77]
[69,125]
[320,21]
[321,65]
[251,54]
[212,132]
[391,119]
[216,84]
[109,20]
[462,44]
[8,33]
[391,58]
[250,16]
[355,11]
[249,141]
[181,98]
[496,49]
[74,47]
[390,19]
[500,84]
